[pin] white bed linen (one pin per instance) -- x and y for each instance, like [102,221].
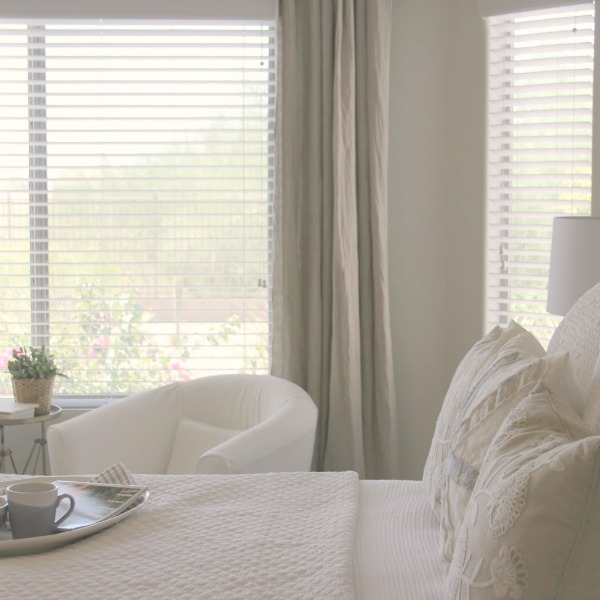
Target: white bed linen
[397,551]
[215,537]
[155,555]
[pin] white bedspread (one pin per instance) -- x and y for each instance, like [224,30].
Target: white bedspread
[280,535]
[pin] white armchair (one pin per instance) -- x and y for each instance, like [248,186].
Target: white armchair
[219,424]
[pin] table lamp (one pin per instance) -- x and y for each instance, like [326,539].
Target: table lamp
[574,261]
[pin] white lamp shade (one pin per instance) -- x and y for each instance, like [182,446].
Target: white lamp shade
[574,261]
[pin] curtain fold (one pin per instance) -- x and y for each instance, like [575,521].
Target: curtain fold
[331,331]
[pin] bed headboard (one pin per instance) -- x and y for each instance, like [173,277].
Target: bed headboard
[579,334]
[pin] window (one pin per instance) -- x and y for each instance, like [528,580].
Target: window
[135,197]
[539,151]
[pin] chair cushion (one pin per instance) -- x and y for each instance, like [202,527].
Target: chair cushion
[192,440]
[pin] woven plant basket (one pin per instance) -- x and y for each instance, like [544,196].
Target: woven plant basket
[36,391]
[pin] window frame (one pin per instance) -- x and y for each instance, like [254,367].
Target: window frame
[542,324]
[176,12]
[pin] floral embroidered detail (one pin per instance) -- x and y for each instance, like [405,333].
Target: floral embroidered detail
[507,503]
[514,422]
[509,574]
[537,455]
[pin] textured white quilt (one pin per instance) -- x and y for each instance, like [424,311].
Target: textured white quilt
[266,536]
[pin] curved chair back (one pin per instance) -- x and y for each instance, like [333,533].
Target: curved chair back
[221,424]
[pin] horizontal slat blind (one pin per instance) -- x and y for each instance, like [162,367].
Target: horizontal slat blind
[135,198]
[539,152]
[493,8]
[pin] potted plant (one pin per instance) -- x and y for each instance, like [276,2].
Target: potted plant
[33,373]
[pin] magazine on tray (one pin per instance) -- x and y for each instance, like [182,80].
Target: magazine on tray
[95,502]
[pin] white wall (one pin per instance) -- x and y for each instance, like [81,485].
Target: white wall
[436,218]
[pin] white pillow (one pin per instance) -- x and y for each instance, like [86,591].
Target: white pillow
[513,376]
[532,526]
[469,375]
[456,396]
[592,412]
[192,440]
[579,334]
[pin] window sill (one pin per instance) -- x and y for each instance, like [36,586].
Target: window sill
[81,402]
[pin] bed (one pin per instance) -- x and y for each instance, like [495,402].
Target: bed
[161,553]
[509,506]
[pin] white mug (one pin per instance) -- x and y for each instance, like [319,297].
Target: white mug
[32,508]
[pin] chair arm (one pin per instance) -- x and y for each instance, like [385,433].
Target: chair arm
[283,442]
[91,442]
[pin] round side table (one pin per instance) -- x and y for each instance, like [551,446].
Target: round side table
[39,444]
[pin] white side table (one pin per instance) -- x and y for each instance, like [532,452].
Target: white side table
[39,444]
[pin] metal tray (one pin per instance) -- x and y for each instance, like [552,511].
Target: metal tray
[34,545]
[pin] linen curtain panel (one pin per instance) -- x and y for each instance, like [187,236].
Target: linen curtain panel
[330,290]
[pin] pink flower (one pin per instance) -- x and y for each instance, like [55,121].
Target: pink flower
[9,355]
[177,366]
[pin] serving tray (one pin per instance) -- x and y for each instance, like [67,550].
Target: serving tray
[34,545]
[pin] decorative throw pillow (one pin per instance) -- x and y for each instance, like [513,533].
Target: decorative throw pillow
[509,380]
[579,334]
[592,411]
[192,440]
[465,377]
[532,525]
[468,376]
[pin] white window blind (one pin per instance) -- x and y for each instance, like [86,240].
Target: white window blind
[135,198]
[492,8]
[539,152]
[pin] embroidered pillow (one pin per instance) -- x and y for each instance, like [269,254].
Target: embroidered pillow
[465,377]
[513,349]
[532,525]
[513,376]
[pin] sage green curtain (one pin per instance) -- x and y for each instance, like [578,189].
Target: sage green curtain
[331,331]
